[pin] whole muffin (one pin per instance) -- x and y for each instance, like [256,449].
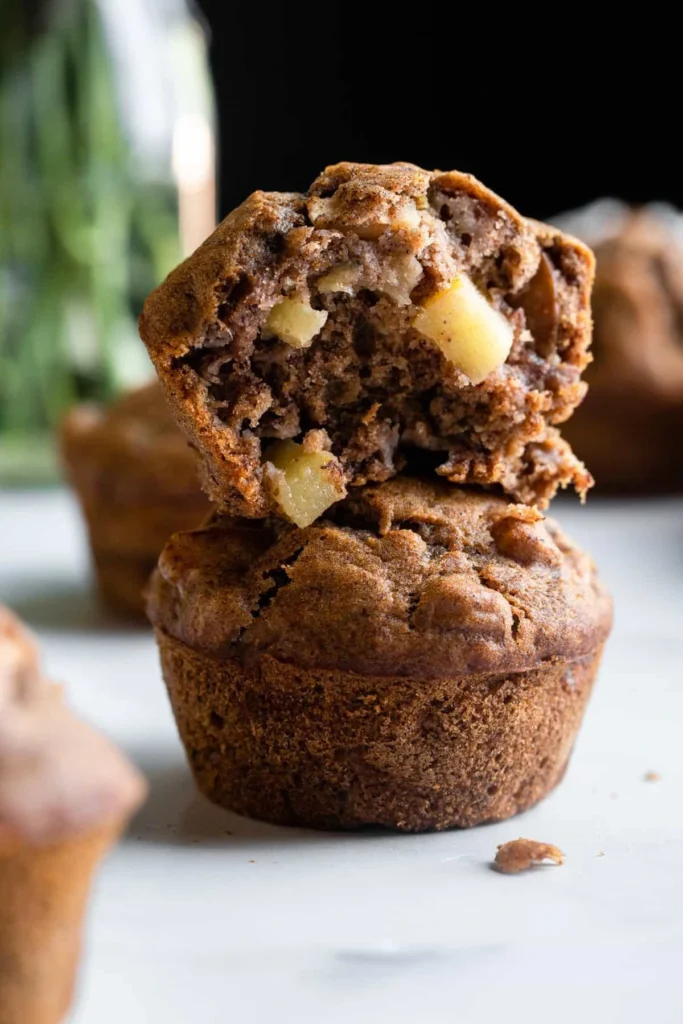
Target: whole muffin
[136,480]
[628,429]
[422,659]
[390,317]
[65,795]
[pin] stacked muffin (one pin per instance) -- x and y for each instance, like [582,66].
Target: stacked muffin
[630,426]
[378,626]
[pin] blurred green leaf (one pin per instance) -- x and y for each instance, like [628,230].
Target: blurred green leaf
[82,237]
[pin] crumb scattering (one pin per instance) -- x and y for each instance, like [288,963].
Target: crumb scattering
[523,854]
[651,777]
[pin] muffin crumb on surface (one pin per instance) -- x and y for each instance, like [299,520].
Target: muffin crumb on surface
[524,854]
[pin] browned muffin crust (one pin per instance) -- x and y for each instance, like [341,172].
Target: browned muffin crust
[370,387]
[410,578]
[629,428]
[136,479]
[422,660]
[332,749]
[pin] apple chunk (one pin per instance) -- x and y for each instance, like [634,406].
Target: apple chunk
[295,322]
[472,335]
[342,278]
[304,484]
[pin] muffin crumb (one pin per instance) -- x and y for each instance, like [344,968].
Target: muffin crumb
[652,777]
[524,854]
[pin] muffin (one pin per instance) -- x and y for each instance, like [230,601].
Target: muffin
[65,795]
[136,480]
[420,658]
[388,319]
[629,426]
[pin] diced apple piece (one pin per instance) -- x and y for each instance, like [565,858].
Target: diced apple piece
[400,277]
[472,335]
[295,322]
[322,212]
[340,279]
[305,484]
[400,274]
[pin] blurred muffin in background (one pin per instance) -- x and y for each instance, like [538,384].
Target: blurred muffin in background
[628,429]
[135,478]
[66,794]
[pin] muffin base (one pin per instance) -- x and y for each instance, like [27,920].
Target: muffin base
[337,750]
[647,458]
[43,896]
[120,581]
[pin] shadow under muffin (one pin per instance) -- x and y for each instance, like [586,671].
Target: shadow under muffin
[420,659]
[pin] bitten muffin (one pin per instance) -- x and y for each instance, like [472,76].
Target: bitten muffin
[65,795]
[629,427]
[388,317]
[136,480]
[420,660]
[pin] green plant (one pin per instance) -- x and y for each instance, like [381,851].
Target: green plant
[83,236]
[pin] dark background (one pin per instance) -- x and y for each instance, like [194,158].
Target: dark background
[551,111]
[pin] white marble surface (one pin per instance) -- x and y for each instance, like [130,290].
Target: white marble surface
[204,917]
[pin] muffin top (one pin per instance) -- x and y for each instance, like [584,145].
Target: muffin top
[129,450]
[58,777]
[409,578]
[388,319]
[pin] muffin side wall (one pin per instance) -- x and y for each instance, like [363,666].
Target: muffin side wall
[330,749]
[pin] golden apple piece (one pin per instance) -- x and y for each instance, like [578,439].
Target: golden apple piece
[295,322]
[401,275]
[472,335]
[342,278]
[304,484]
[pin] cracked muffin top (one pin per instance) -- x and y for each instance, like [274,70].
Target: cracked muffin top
[58,777]
[388,319]
[411,578]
